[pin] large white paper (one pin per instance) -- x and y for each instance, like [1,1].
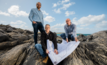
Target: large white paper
[64,50]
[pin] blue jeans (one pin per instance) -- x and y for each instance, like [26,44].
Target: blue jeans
[43,54]
[36,27]
[40,50]
[71,37]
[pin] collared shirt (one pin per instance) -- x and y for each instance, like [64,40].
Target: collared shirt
[36,15]
[71,29]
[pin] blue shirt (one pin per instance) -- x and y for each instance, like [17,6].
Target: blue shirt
[70,30]
[36,15]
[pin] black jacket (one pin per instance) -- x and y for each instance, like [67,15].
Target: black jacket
[51,36]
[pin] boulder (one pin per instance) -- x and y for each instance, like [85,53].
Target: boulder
[15,56]
[3,37]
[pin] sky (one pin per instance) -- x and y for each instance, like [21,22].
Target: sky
[89,16]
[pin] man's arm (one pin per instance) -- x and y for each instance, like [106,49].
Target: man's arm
[74,33]
[31,15]
[54,41]
[66,32]
[42,20]
[43,41]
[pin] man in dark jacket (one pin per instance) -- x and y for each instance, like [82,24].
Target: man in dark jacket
[52,37]
[42,48]
[48,35]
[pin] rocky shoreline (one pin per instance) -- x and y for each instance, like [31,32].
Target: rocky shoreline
[17,48]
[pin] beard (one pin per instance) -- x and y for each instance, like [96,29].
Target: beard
[38,7]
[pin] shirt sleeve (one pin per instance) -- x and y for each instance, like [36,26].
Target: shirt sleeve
[42,20]
[43,41]
[65,32]
[54,41]
[74,31]
[31,15]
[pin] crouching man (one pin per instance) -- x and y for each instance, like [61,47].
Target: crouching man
[70,31]
[47,34]
[52,37]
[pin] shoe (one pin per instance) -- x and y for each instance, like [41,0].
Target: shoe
[45,59]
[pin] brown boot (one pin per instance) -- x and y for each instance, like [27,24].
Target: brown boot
[45,59]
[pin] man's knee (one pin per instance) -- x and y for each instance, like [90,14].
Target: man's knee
[37,45]
[72,38]
[63,35]
[41,28]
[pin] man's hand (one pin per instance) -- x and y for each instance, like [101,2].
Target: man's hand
[47,51]
[55,50]
[67,40]
[76,39]
[34,22]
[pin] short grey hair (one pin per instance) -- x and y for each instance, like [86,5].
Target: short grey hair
[47,24]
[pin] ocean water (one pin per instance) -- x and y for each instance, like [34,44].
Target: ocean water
[77,34]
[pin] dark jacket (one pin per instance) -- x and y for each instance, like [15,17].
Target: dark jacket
[51,36]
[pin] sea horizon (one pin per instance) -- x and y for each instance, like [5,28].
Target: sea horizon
[58,34]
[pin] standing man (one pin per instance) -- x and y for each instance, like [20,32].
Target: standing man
[36,17]
[70,31]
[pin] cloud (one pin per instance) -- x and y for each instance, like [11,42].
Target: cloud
[49,19]
[80,28]
[31,29]
[54,5]
[64,1]
[4,13]
[59,27]
[84,25]
[69,13]
[60,3]
[102,24]
[64,7]
[18,24]
[14,10]
[57,11]
[44,12]
[3,22]
[98,21]
[90,19]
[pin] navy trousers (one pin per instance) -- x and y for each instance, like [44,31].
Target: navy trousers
[36,27]
[70,37]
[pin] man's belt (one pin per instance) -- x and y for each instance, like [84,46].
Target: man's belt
[39,22]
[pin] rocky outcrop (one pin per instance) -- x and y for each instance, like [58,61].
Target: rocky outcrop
[91,51]
[17,47]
